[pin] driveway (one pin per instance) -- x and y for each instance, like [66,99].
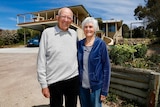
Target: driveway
[18,79]
[19,50]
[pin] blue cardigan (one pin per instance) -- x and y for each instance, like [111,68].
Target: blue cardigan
[98,65]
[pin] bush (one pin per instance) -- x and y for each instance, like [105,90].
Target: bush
[1,43]
[8,37]
[141,50]
[120,54]
[154,62]
[134,56]
[154,58]
[139,63]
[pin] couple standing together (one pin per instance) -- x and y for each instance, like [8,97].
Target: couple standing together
[59,72]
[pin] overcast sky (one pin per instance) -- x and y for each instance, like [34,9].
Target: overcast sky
[105,9]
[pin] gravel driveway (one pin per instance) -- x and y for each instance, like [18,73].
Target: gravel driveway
[18,79]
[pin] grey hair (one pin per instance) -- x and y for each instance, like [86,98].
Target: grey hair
[90,20]
[60,11]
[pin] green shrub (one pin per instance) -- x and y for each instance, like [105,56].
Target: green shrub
[153,62]
[129,55]
[141,50]
[112,97]
[1,42]
[139,63]
[120,54]
[154,58]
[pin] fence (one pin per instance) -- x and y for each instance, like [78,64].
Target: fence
[140,85]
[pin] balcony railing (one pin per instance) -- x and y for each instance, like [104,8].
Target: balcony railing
[42,17]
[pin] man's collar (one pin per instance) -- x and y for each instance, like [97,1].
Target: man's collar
[58,30]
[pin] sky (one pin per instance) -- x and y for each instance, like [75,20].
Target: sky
[105,9]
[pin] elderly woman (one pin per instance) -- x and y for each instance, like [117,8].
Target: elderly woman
[94,66]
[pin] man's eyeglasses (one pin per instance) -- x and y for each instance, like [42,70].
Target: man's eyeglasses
[64,17]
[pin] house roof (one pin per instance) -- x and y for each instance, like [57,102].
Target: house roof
[78,10]
[112,20]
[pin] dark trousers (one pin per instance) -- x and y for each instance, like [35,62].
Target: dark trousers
[68,88]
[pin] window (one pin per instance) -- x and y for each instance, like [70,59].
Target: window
[111,27]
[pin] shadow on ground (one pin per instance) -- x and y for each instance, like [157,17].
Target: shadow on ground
[41,106]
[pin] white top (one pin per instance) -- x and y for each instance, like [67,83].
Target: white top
[57,56]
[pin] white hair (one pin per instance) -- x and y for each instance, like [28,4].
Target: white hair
[90,20]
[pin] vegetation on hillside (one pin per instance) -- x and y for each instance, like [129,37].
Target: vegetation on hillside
[9,38]
[134,56]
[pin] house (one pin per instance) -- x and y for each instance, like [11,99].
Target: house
[47,18]
[113,29]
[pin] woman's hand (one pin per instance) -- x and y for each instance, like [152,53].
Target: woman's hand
[103,98]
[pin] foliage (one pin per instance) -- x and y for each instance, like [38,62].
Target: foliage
[130,103]
[153,62]
[28,32]
[21,33]
[125,31]
[114,100]
[138,32]
[154,58]
[121,53]
[112,97]
[134,56]
[150,13]
[139,63]
[8,37]
[141,50]
[141,32]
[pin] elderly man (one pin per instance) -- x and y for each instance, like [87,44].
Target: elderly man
[57,66]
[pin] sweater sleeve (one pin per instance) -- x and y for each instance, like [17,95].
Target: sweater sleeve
[106,70]
[41,61]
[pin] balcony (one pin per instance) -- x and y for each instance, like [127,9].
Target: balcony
[47,18]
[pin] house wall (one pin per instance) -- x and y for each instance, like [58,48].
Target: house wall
[80,34]
[113,30]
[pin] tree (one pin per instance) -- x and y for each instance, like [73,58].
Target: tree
[28,32]
[21,33]
[138,32]
[125,31]
[150,13]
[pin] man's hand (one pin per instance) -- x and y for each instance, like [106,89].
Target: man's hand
[45,92]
